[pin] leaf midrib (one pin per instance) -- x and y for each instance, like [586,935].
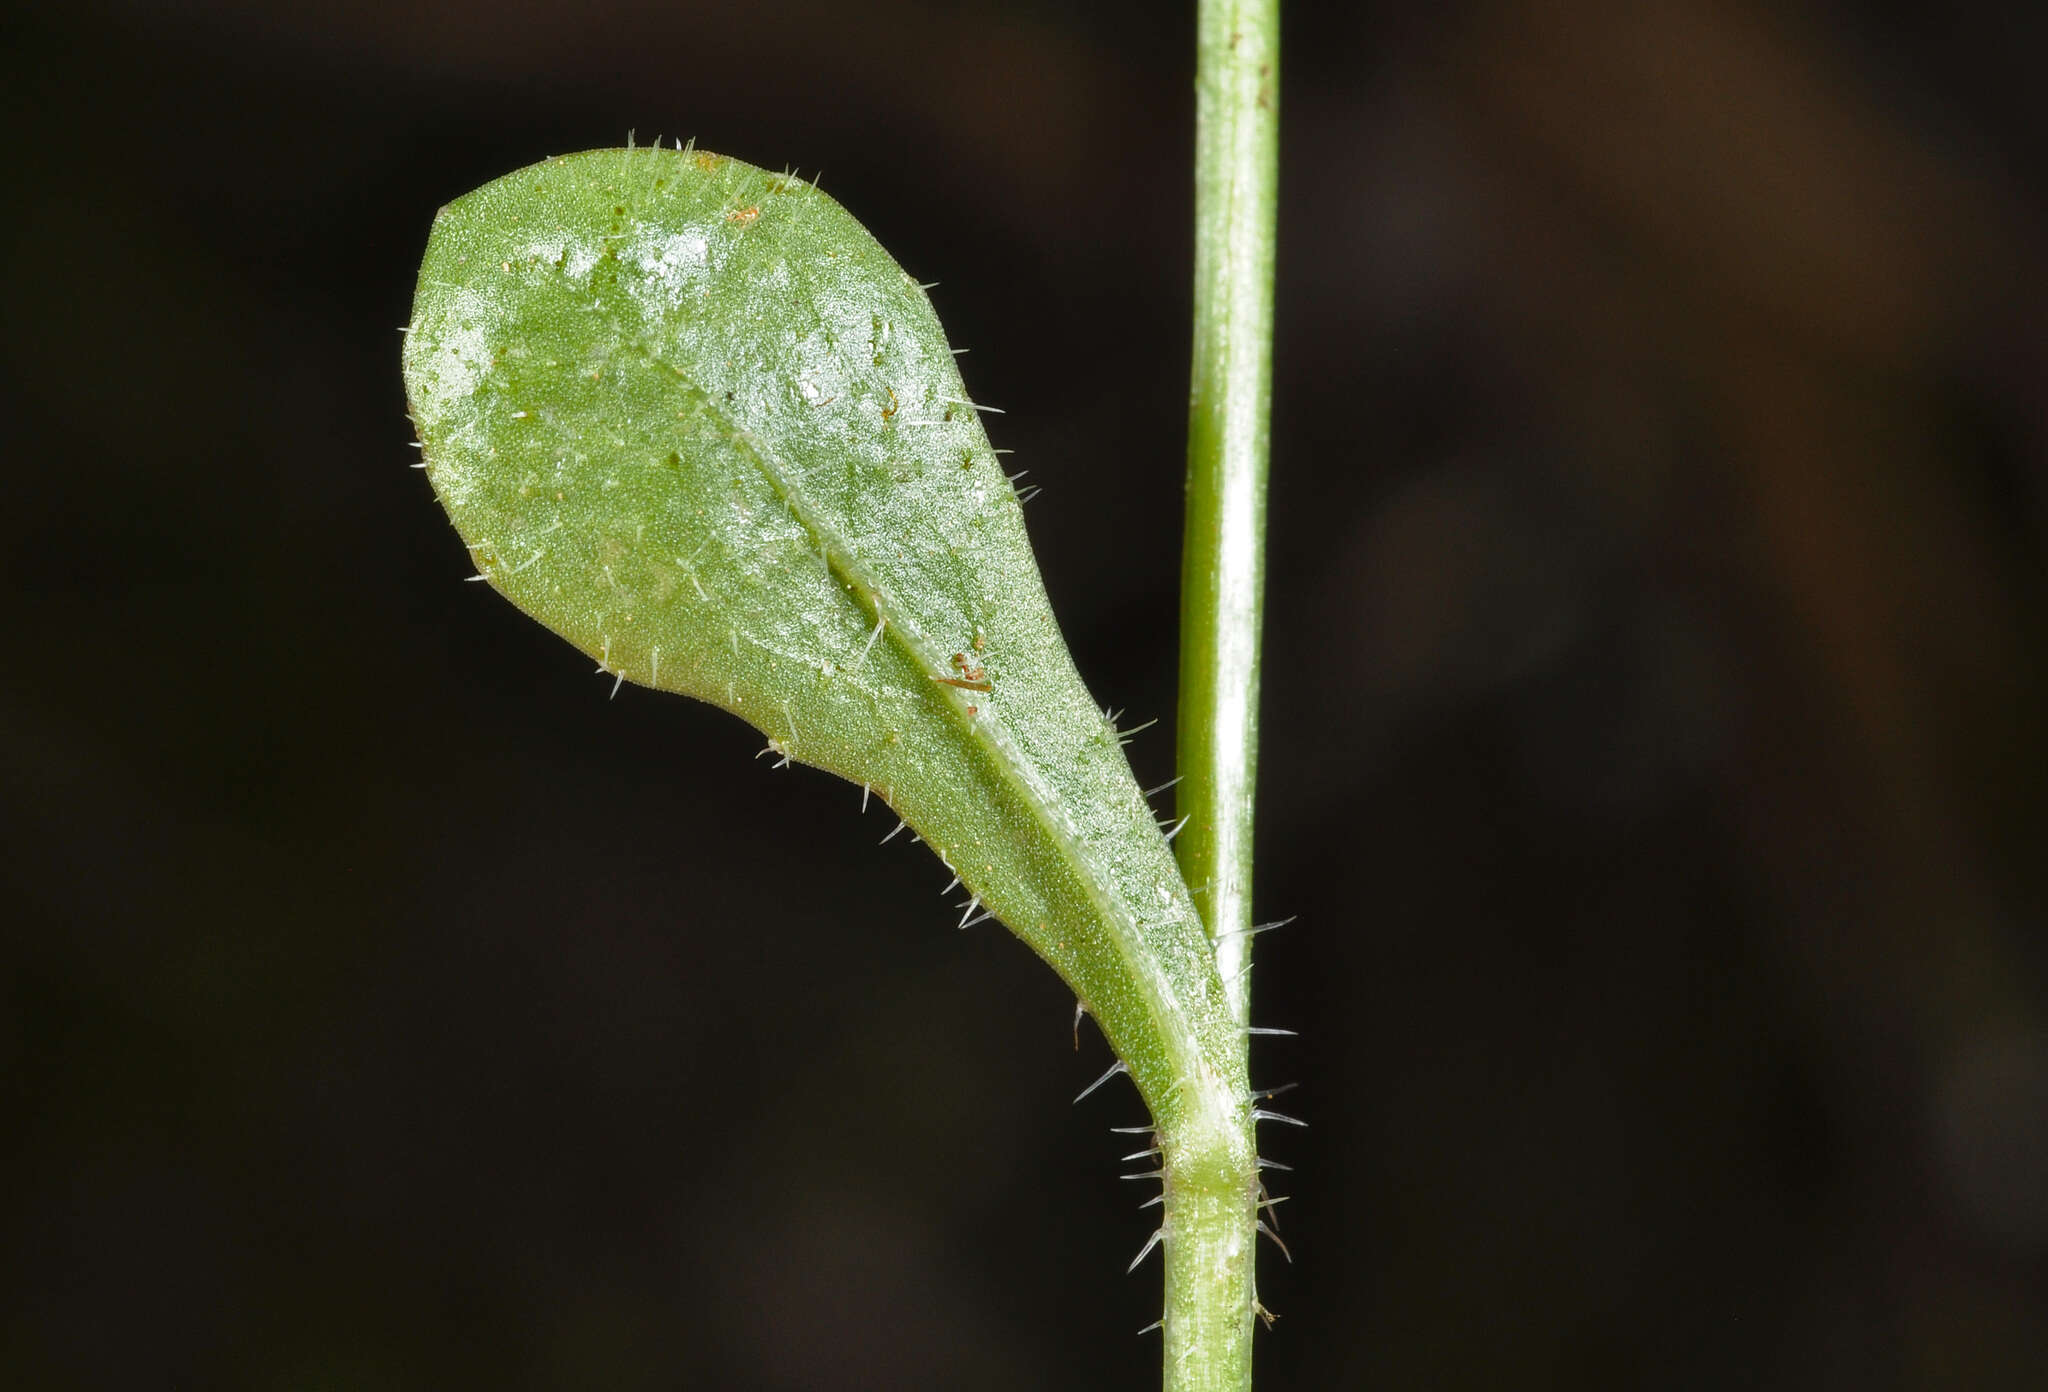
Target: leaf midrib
[842,563]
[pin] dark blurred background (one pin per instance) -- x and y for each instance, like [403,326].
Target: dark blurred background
[1654,747]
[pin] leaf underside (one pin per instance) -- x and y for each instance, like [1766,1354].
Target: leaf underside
[690,415]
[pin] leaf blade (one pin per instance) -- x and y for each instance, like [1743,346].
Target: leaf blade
[692,417]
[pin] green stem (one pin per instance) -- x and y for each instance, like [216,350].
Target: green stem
[1212,1183]
[1223,558]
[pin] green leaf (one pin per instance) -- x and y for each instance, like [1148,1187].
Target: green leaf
[690,416]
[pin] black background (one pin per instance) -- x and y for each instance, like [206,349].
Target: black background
[1654,737]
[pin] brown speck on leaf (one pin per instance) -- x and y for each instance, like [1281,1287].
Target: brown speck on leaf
[743,216]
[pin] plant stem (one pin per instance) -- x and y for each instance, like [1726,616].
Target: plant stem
[1211,1181]
[1224,549]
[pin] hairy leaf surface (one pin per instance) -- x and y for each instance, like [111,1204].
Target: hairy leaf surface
[689,415]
